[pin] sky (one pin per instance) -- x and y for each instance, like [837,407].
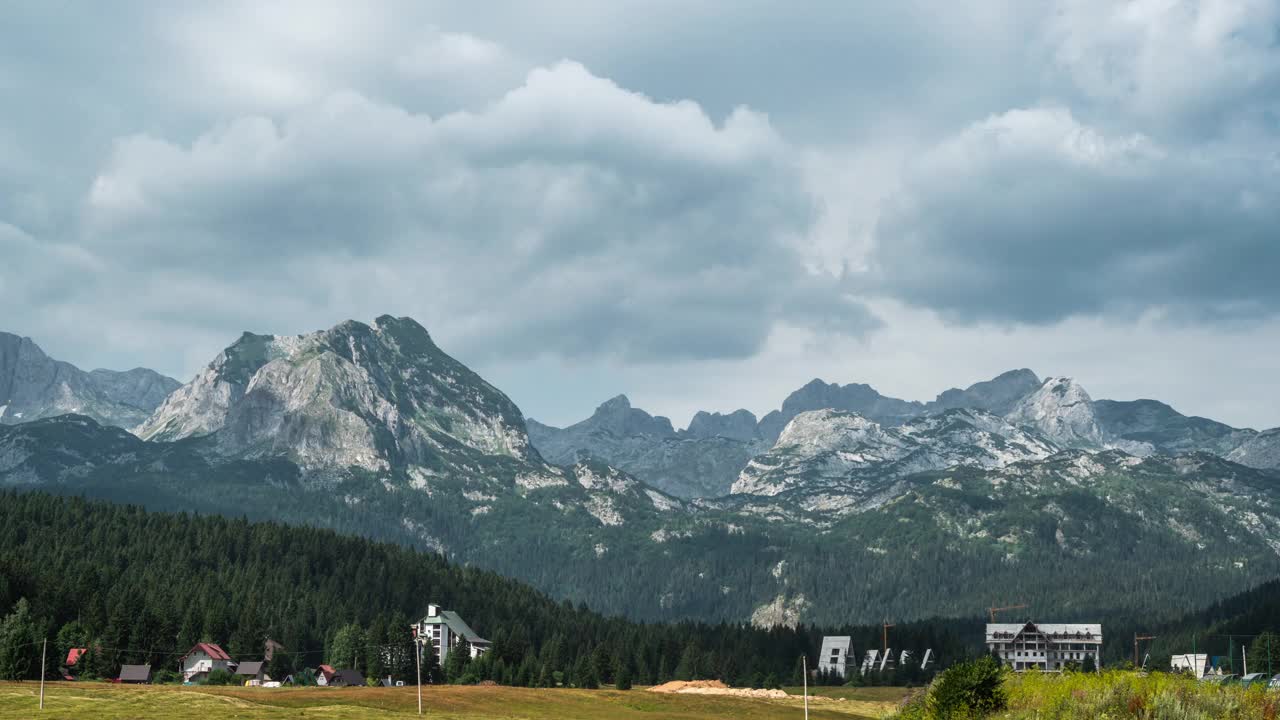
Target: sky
[702,205]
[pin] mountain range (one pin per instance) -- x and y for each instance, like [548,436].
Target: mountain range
[35,386]
[842,506]
[717,454]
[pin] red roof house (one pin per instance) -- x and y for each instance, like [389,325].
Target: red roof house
[203,658]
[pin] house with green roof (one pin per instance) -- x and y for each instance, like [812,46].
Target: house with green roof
[445,630]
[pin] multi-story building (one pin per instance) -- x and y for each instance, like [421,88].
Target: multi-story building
[445,630]
[836,653]
[1049,647]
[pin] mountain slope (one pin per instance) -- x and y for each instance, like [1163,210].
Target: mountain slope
[1164,429]
[700,462]
[841,462]
[34,385]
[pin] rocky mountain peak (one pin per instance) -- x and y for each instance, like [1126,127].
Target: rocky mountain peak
[618,417]
[858,398]
[998,395]
[354,395]
[1062,410]
[737,425]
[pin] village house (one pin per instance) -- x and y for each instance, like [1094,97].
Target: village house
[1049,646]
[251,672]
[347,678]
[73,657]
[135,674]
[203,658]
[324,674]
[445,630]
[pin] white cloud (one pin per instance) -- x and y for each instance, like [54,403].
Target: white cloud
[1189,65]
[1028,166]
[1031,216]
[569,217]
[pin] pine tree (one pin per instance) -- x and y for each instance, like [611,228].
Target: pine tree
[643,674]
[17,639]
[455,663]
[602,664]
[623,681]
[375,652]
[345,646]
[687,668]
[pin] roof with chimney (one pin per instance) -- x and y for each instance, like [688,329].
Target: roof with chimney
[456,625]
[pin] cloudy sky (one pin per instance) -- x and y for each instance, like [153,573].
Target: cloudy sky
[703,205]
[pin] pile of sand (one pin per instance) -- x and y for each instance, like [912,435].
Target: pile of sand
[713,687]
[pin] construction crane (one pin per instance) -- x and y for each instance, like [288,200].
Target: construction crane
[994,610]
[1136,638]
[884,637]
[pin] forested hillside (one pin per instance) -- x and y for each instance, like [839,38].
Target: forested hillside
[143,587]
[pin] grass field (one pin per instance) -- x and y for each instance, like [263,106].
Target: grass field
[103,701]
[1111,695]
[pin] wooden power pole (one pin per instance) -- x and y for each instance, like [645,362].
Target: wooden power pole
[43,650]
[417,659]
[884,637]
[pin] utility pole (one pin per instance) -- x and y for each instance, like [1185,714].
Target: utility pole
[1136,638]
[804,665]
[884,637]
[43,649]
[417,659]
[1244,658]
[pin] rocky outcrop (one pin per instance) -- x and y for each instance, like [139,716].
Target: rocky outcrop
[1062,411]
[836,460]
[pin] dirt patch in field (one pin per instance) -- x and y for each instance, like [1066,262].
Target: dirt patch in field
[713,687]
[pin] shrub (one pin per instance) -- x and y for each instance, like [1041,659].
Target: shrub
[968,689]
[220,676]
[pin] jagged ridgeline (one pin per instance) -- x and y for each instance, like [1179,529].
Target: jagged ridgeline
[872,508]
[143,587]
